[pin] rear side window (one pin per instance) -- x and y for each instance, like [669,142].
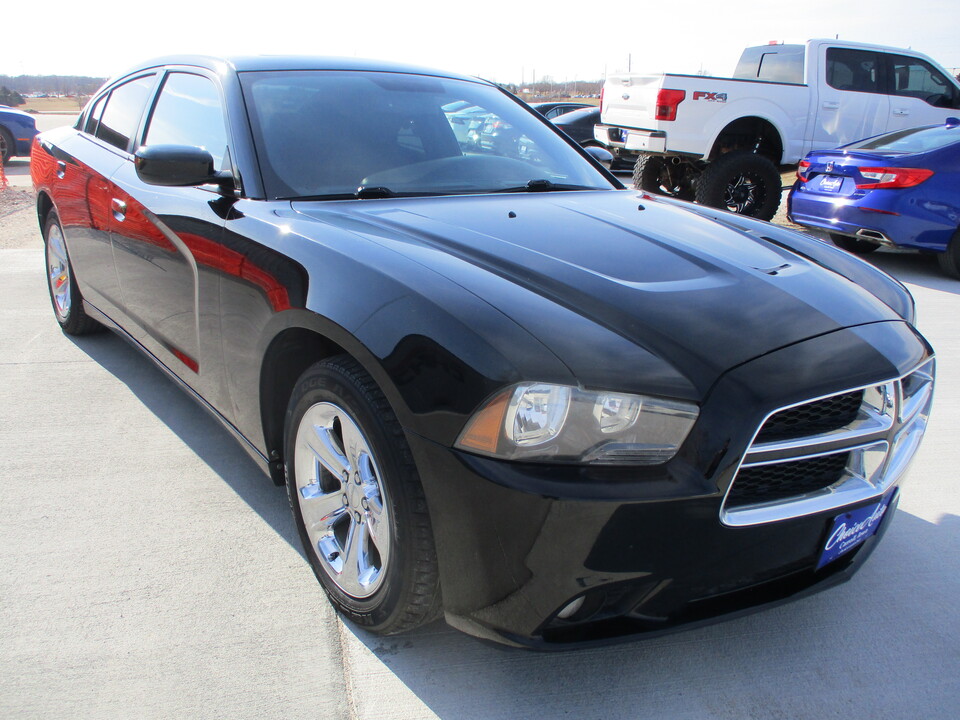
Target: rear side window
[94,116]
[854,70]
[916,78]
[772,63]
[121,116]
[189,112]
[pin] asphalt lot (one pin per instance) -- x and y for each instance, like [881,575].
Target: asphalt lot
[148,569]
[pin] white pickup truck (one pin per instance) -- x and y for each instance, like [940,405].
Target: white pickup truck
[719,140]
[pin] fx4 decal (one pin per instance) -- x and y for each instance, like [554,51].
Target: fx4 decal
[710,96]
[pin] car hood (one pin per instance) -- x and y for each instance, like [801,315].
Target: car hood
[574,268]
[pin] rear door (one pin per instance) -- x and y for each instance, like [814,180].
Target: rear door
[168,240]
[851,102]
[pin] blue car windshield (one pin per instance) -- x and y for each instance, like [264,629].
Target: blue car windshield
[912,140]
[335,134]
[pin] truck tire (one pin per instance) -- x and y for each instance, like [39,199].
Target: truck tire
[742,182]
[853,245]
[653,173]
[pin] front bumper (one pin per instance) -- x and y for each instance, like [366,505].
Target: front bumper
[645,548]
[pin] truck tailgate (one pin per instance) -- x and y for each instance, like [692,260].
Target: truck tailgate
[630,100]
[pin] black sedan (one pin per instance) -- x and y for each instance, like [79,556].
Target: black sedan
[578,124]
[555,109]
[496,384]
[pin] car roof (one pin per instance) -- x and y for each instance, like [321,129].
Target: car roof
[254,63]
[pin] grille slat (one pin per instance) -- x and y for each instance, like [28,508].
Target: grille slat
[769,483]
[813,418]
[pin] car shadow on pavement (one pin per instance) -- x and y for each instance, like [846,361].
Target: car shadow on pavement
[198,430]
[817,657]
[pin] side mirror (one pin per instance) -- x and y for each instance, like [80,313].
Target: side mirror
[604,157]
[177,166]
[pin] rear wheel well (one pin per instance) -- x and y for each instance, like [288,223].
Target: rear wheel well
[44,206]
[749,133]
[286,359]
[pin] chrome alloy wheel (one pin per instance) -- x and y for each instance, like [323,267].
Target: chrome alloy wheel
[58,271]
[342,500]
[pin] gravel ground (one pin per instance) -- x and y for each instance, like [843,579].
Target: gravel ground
[18,221]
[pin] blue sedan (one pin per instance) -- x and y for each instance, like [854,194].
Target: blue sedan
[901,189]
[16,133]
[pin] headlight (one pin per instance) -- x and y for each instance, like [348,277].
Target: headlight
[538,422]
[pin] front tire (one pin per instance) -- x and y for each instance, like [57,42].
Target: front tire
[741,182]
[357,500]
[62,283]
[6,145]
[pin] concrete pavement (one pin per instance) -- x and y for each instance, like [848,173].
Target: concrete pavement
[149,570]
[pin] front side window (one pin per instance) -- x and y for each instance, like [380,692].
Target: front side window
[121,116]
[916,78]
[189,112]
[853,70]
[334,134]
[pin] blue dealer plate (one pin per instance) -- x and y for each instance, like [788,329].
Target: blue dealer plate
[850,529]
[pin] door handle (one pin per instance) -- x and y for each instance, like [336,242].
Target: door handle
[902,112]
[119,208]
[61,169]
[831,105]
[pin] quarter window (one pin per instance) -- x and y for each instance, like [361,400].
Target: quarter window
[94,115]
[189,112]
[853,70]
[121,116]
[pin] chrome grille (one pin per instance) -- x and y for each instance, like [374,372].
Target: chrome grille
[830,452]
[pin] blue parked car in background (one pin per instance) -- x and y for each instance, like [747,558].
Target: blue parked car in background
[16,133]
[901,189]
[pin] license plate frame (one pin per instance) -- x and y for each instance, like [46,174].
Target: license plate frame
[831,183]
[851,529]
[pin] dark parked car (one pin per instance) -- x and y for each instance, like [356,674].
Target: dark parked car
[579,124]
[901,189]
[17,129]
[551,110]
[502,388]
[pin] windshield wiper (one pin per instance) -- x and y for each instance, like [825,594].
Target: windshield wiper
[543,185]
[365,192]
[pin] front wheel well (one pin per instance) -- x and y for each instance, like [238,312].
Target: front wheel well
[749,133]
[286,359]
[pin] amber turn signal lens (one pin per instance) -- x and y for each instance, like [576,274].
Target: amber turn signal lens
[483,431]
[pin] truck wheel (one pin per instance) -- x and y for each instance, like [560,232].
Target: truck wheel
[655,174]
[742,182]
[852,245]
[950,259]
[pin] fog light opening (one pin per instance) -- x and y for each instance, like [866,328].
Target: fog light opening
[570,609]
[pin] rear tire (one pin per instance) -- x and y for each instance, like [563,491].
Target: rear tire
[357,500]
[950,258]
[853,245]
[655,174]
[62,283]
[741,182]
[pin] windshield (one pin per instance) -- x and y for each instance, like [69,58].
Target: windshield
[913,140]
[372,134]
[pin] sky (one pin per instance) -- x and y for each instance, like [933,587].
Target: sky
[511,42]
